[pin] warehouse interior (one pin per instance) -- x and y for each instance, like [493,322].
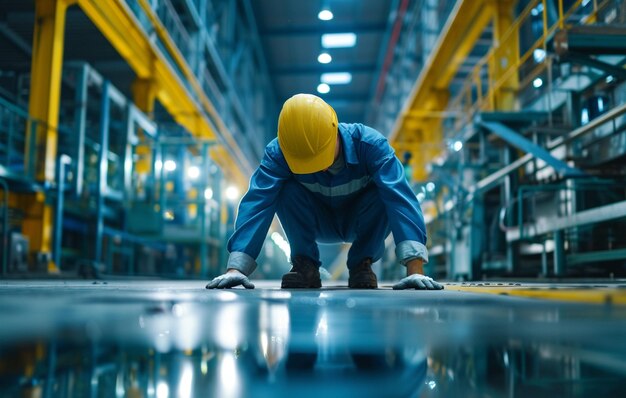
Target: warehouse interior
[129,130]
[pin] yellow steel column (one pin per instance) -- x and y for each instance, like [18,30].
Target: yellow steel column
[45,95]
[144,94]
[45,85]
[506,56]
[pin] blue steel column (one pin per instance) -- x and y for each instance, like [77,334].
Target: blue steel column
[102,167]
[57,238]
[559,253]
[5,225]
[80,126]
[129,141]
[204,215]
[507,197]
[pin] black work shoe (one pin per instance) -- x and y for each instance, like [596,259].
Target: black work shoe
[304,274]
[362,276]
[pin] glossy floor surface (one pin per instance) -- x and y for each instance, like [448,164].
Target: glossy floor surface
[176,339]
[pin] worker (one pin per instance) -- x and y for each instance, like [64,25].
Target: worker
[328,182]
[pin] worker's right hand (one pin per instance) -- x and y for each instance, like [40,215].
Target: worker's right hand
[231,278]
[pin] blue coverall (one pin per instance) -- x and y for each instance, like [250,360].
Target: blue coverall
[360,204]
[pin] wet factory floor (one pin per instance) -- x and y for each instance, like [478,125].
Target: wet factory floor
[176,339]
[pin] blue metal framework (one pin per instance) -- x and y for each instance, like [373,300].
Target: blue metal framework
[98,184]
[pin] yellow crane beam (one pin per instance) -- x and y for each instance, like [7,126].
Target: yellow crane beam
[190,108]
[430,93]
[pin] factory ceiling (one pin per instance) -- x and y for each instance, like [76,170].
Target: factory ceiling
[291,34]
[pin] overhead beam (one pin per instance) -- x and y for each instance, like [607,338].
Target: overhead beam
[430,92]
[190,108]
[591,40]
[465,24]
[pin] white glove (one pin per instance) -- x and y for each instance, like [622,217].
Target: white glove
[231,278]
[418,281]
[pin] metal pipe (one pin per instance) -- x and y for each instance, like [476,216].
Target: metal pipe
[102,167]
[80,126]
[63,161]
[5,225]
[395,35]
[591,216]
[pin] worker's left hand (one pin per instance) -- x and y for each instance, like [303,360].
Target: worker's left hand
[418,281]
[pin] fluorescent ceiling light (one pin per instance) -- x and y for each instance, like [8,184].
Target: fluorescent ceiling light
[324,58]
[338,40]
[325,15]
[323,88]
[537,82]
[336,78]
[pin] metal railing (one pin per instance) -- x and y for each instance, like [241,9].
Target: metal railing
[526,203]
[478,92]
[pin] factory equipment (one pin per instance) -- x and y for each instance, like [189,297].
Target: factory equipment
[18,253]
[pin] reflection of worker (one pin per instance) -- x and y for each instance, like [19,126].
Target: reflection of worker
[328,182]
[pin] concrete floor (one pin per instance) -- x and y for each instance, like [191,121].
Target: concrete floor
[146,338]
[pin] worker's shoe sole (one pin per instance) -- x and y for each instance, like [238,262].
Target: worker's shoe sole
[362,276]
[295,280]
[304,274]
[363,282]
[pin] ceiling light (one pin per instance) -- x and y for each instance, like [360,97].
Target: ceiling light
[338,40]
[336,78]
[325,15]
[457,146]
[208,194]
[323,88]
[324,58]
[537,82]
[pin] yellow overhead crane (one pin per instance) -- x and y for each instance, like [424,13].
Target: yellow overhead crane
[418,127]
[156,79]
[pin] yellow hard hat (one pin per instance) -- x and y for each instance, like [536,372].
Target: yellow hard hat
[307,133]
